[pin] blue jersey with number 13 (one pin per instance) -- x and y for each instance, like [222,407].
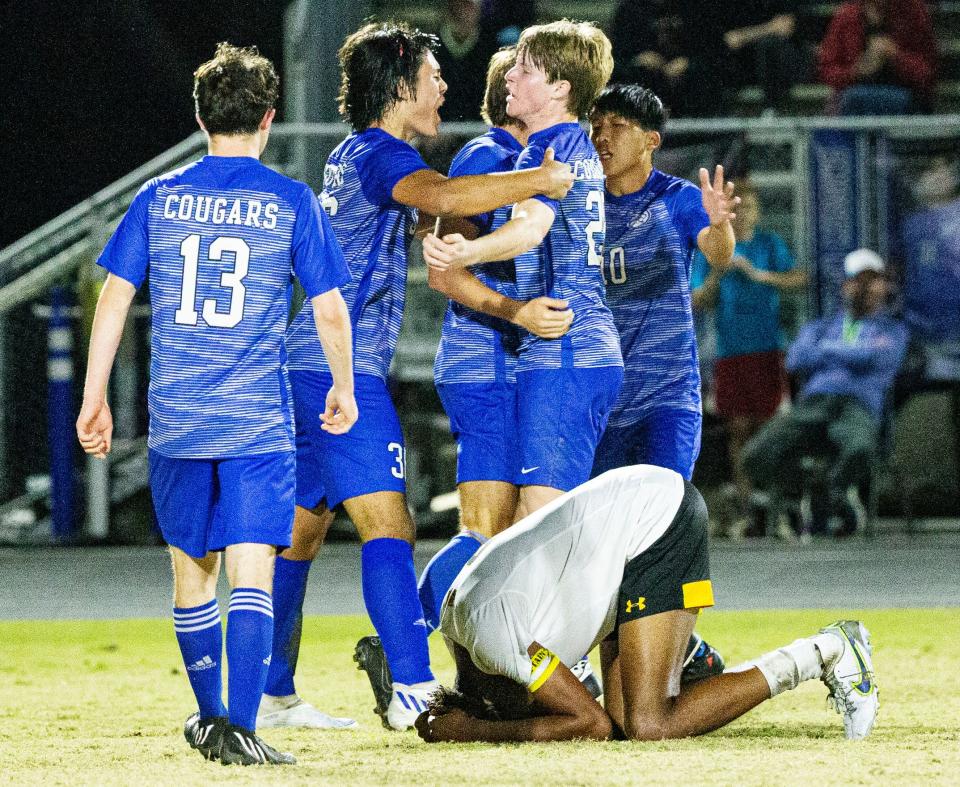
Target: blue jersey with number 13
[220,240]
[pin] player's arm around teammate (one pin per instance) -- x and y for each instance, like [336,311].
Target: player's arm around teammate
[475,366]
[560,67]
[374,184]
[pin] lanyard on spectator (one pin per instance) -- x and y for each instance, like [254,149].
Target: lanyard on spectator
[851,330]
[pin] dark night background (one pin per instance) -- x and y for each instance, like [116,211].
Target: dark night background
[93,89]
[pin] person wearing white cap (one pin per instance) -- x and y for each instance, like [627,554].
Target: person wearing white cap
[848,362]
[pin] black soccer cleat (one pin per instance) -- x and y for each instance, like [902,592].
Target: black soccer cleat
[701,661]
[243,747]
[371,659]
[205,735]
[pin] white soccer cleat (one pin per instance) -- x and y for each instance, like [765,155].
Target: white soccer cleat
[583,671]
[408,702]
[853,687]
[273,713]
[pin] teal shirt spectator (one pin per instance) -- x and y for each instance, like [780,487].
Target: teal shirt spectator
[747,313]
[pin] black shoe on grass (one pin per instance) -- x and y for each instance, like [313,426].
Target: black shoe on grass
[205,735]
[371,659]
[243,747]
[701,661]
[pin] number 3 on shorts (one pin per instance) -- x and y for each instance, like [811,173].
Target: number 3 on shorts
[400,469]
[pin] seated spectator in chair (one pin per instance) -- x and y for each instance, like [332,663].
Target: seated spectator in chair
[761,37]
[879,56]
[748,373]
[849,362]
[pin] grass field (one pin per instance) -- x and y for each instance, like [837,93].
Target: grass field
[102,702]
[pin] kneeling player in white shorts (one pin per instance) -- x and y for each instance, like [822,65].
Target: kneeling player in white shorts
[622,562]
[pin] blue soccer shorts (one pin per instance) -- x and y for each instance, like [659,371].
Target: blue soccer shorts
[667,437]
[483,420]
[206,505]
[561,416]
[371,457]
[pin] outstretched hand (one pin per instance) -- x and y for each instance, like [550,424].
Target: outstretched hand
[718,199]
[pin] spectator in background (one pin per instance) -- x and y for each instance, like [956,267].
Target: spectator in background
[506,19]
[748,372]
[463,54]
[879,56]
[761,37]
[675,48]
[930,250]
[849,362]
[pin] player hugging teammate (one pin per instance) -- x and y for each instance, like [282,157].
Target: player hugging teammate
[530,367]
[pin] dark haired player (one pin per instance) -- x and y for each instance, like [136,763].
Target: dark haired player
[655,223]
[619,562]
[375,183]
[219,240]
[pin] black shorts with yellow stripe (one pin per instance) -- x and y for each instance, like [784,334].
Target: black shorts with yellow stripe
[674,573]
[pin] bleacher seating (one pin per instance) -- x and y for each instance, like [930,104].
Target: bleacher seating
[806,99]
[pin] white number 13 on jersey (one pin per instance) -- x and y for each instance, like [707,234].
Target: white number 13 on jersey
[232,280]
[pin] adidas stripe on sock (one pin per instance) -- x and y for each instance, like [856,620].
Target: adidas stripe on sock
[200,637]
[249,645]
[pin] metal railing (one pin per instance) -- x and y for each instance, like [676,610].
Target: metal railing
[56,251]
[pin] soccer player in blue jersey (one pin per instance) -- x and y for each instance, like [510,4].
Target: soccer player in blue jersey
[655,223]
[375,184]
[219,240]
[475,369]
[565,386]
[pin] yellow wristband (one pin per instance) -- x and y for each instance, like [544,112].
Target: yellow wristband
[543,664]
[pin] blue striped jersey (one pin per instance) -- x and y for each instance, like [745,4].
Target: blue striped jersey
[651,239]
[567,263]
[220,240]
[476,347]
[375,233]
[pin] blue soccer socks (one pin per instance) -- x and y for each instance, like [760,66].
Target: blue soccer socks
[390,594]
[289,590]
[249,642]
[200,637]
[440,572]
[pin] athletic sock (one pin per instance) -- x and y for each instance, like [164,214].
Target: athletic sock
[200,637]
[440,572]
[390,595]
[289,590]
[787,667]
[249,640]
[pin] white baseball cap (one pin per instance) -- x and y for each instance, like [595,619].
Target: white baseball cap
[862,260]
